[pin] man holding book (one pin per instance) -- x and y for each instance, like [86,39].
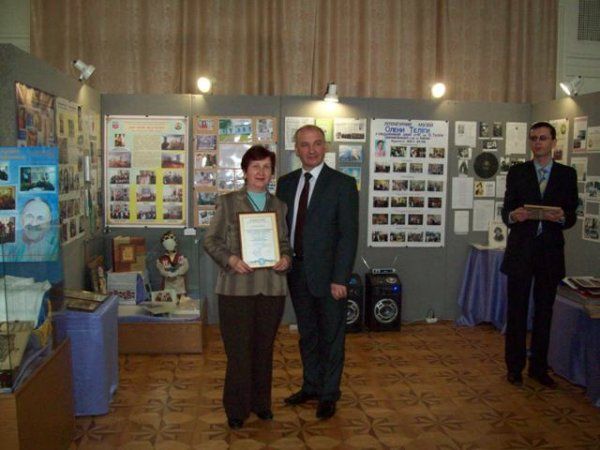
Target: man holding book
[540,202]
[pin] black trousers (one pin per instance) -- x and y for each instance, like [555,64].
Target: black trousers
[544,293]
[322,328]
[248,329]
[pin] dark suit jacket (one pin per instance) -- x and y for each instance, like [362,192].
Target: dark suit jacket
[522,188]
[330,227]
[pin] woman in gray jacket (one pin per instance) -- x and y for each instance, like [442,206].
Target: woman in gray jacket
[251,301]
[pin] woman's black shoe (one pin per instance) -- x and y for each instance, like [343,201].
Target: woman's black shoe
[267,414]
[235,424]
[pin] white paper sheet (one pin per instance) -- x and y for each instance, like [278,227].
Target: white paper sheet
[483,213]
[516,138]
[462,192]
[465,133]
[461,222]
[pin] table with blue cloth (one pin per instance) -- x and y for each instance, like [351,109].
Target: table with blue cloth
[95,357]
[574,351]
[482,295]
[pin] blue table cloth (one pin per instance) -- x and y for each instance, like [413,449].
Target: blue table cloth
[574,351]
[482,295]
[95,355]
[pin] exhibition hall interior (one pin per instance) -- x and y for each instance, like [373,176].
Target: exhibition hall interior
[293,224]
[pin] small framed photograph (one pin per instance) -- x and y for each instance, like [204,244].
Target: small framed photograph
[497,233]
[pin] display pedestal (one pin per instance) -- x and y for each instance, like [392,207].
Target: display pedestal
[39,414]
[146,334]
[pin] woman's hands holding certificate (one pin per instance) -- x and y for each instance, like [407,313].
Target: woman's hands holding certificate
[283,264]
[238,265]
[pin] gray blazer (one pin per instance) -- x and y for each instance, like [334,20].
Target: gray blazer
[223,240]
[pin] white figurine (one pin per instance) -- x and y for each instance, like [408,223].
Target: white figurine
[172,265]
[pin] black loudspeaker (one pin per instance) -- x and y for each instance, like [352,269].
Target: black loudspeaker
[383,302]
[356,306]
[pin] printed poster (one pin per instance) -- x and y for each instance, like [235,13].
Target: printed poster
[29,220]
[407,183]
[146,168]
[35,117]
[562,139]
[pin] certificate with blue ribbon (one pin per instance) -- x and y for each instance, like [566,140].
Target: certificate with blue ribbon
[259,239]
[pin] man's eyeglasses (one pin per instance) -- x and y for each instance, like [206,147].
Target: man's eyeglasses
[539,138]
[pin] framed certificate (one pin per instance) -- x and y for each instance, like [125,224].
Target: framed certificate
[259,239]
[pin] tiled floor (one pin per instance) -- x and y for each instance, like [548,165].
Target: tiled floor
[426,387]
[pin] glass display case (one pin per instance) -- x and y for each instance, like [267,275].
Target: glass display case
[30,261]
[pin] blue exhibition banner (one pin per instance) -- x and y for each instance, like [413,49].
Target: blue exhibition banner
[29,218]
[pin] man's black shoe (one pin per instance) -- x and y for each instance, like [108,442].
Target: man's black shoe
[514,378]
[300,397]
[235,424]
[325,409]
[543,378]
[266,414]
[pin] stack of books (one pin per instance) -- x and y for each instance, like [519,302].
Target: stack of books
[585,291]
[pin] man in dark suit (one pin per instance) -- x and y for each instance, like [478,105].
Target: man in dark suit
[535,250]
[323,222]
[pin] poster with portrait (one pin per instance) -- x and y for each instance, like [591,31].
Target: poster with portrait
[562,139]
[35,117]
[219,145]
[29,204]
[407,183]
[145,162]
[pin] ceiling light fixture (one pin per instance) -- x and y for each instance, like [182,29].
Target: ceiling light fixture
[204,85]
[85,70]
[438,90]
[571,87]
[331,93]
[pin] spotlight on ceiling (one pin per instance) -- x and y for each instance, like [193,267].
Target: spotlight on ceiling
[204,85]
[85,70]
[572,86]
[331,93]
[438,90]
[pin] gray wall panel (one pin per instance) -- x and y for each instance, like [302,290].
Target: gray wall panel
[582,256]
[17,65]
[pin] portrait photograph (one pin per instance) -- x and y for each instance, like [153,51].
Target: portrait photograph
[172,211]
[7,197]
[399,167]
[172,160]
[37,178]
[173,142]
[206,142]
[117,158]
[7,229]
[398,201]
[398,151]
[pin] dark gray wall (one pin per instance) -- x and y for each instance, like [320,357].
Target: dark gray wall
[582,256]
[17,65]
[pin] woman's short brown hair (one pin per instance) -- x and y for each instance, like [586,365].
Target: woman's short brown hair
[257,153]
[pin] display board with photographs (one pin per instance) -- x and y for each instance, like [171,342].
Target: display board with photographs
[219,145]
[145,165]
[69,135]
[29,204]
[35,117]
[407,183]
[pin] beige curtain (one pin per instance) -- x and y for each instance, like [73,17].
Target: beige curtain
[485,50]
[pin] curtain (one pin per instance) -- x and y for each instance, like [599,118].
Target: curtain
[484,50]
